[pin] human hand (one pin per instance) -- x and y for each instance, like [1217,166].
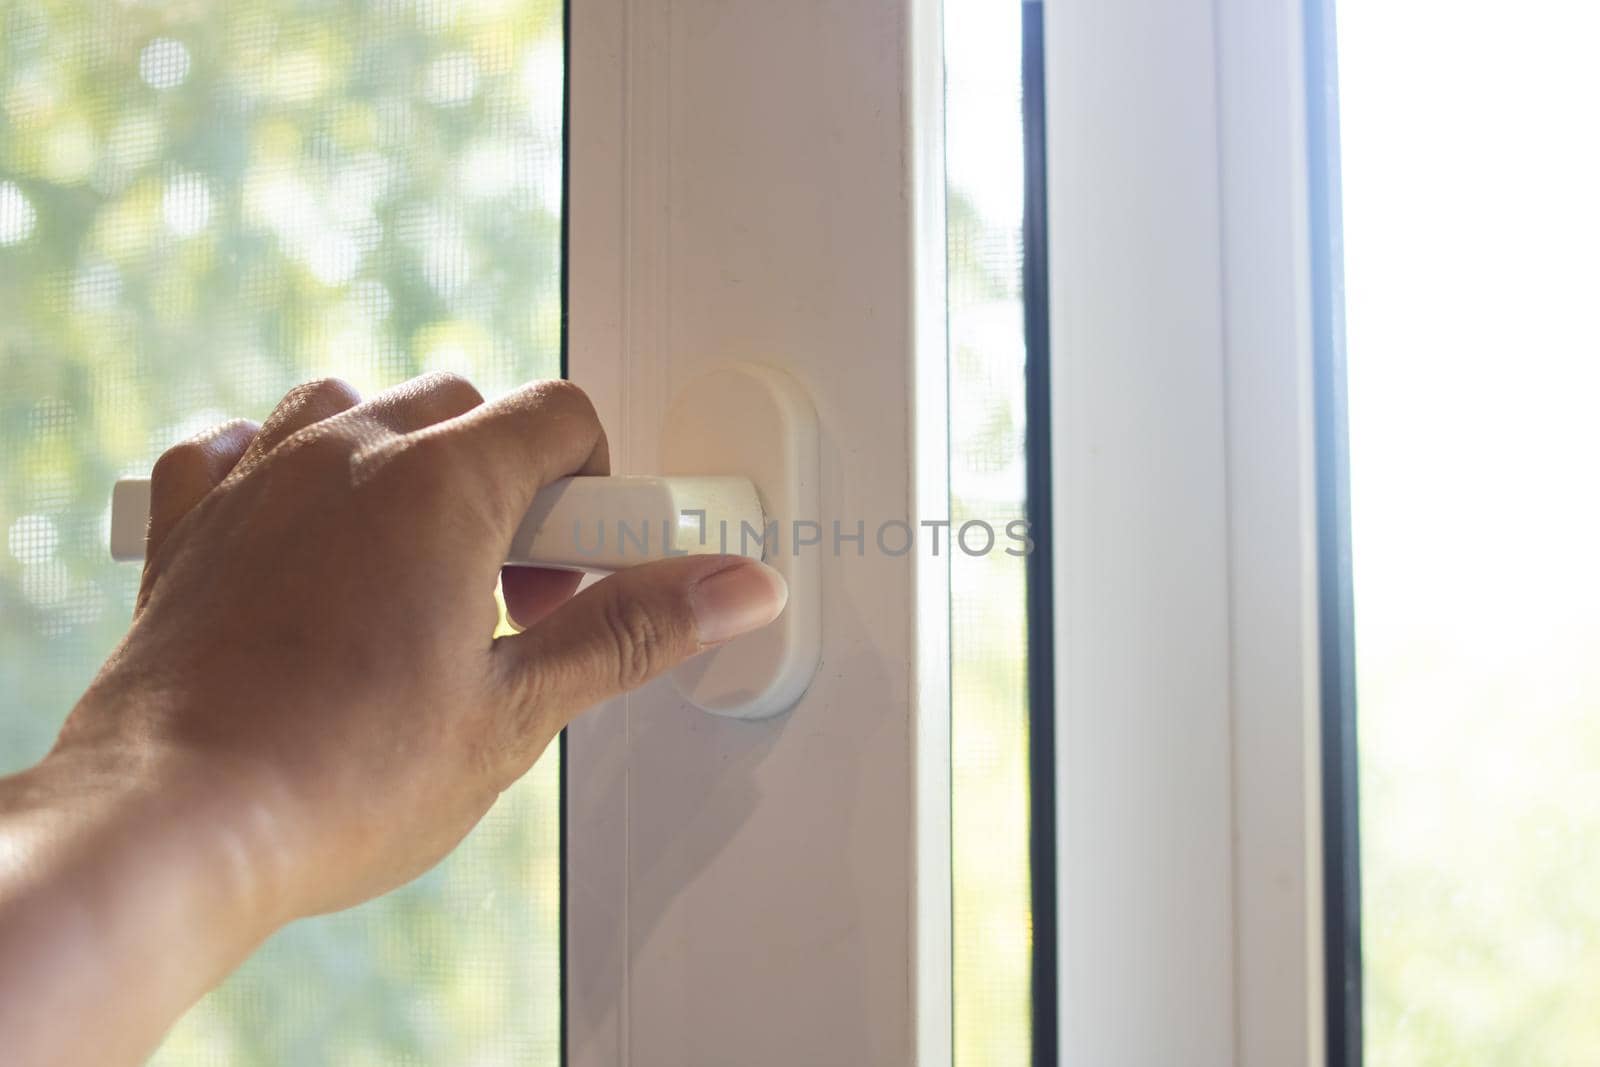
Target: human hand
[311,656]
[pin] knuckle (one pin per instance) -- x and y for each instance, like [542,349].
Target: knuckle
[319,448]
[182,462]
[569,413]
[319,444]
[324,393]
[450,389]
[637,646]
[567,397]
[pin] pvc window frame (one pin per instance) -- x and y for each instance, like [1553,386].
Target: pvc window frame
[1185,591]
[1188,711]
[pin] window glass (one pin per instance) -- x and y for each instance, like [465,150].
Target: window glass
[989,672]
[200,205]
[1470,167]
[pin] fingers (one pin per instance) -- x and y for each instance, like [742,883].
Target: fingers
[189,470]
[421,402]
[182,477]
[523,441]
[531,593]
[623,631]
[411,405]
[304,405]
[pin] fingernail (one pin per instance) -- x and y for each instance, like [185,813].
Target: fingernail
[736,600]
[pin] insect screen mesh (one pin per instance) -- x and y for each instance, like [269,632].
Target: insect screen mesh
[200,205]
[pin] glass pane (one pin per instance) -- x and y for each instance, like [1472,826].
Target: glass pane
[1471,222]
[989,673]
[201,204]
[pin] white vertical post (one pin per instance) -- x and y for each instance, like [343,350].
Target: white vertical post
[1185,570]
[763,181]
[1272,533]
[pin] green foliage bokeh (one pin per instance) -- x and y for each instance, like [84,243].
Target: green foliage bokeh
[200,205]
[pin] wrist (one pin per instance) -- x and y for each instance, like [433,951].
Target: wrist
[154,823]
[124,897]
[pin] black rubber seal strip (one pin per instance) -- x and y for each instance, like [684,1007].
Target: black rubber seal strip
[1041,562]
[1336,601]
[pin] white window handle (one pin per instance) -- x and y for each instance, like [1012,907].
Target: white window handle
[584,523]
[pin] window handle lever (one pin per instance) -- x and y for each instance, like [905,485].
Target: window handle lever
[586,523]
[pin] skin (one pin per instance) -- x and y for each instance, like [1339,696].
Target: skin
[309,708]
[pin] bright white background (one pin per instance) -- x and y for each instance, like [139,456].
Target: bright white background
[1471,170]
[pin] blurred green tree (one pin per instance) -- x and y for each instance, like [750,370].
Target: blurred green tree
[201,205]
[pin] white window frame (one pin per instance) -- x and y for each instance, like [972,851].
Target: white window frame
[764,179]
[1189,856]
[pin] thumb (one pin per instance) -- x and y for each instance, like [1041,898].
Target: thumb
[629,627]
